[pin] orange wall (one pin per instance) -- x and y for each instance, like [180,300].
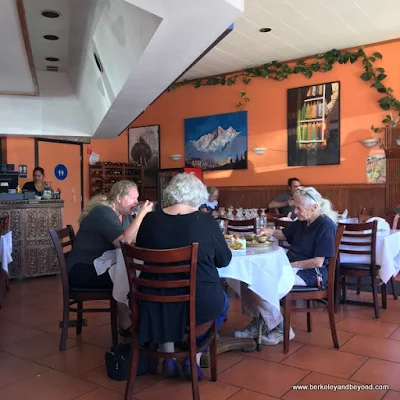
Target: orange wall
[267,122]
[21,150]
[266,126]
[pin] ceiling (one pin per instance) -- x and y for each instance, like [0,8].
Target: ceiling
[110,59]
[15,73]
[299,28]
[39,26]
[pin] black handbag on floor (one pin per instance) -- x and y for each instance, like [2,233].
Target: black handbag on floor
[118,360]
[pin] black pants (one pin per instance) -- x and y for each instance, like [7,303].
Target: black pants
[85,276]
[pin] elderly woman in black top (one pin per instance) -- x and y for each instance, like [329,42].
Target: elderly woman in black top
[178,225]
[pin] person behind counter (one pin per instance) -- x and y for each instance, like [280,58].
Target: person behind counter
[38,183]
[211,205]
[100,230]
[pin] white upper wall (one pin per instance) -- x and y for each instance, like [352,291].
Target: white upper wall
[143,46]
[118,33]
[55,112]
[15,74]
[187,29]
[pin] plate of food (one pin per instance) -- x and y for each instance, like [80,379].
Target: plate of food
[235,245]
[258,241]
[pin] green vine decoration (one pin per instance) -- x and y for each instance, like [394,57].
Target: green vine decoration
[323,62]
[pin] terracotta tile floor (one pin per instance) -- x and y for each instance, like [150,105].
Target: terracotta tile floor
[31,366]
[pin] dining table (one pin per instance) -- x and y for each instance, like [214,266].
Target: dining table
[387,249]
[266,271]
[387,253]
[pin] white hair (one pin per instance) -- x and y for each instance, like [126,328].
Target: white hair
[186,189]
[310,196]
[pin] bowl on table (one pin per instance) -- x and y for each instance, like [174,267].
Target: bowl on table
[262,239]
[249,236]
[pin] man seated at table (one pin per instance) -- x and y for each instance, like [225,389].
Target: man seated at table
[284,201]
[312,243]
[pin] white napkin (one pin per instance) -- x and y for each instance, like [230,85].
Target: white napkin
[382,224]
[344,214]
[285,219]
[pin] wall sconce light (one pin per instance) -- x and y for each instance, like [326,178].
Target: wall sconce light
[259,150]
[175,157]
[370,142]
[398,141]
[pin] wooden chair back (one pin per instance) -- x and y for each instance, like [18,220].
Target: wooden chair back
[280,224]
[62,240]
[243,226]
[367,211]
[271,217]
[310,294]
[365,214]
[396,220]
[4,224]
[365,235]
[223,224]
[172,261]
[333,263]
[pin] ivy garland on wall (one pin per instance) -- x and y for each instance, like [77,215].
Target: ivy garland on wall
[323,62]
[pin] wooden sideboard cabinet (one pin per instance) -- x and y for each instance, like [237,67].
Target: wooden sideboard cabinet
[33,252]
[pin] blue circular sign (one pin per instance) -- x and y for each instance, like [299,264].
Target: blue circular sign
[61,172]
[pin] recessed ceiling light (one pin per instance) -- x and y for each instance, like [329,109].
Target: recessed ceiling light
[50,14]
[53,59]
[265,30]
[51,37]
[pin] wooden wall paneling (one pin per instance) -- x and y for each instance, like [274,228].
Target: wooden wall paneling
[392,182]
[350,197]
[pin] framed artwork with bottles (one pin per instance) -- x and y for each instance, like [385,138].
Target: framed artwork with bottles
[313,125]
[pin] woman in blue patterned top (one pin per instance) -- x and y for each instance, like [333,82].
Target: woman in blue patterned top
[211,205]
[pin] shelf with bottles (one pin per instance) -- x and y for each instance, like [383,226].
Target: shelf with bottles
[311,125]
[311,132]
[105,174]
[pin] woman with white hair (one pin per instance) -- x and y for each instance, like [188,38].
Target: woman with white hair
[211,205]
[181,224]
[312,244]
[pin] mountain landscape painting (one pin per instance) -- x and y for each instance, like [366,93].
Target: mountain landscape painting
[216,142]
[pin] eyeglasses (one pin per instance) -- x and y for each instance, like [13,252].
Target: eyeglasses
[304,193]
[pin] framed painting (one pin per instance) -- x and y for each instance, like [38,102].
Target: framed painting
[376,168]
[144,149]
[217,142]
[313,125]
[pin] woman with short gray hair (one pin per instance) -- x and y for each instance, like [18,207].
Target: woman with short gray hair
[181,224]
[186,189]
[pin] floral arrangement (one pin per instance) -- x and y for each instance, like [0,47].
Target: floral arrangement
[396,209]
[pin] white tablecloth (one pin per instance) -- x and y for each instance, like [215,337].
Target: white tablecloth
[353,220]
[387,253]
[267,272]
[113,262]
[6,250]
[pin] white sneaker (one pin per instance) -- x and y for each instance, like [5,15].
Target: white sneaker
[250,331]
[275,337]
